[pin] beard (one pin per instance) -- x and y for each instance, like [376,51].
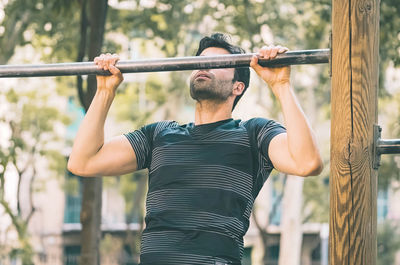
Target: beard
[210,89]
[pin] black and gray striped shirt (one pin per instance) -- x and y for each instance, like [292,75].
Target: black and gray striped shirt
[203,180]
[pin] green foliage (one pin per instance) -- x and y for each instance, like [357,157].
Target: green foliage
[389,49]
[72,186]
[30,124]
[390,110]
[388,238]
[388,172]
[25,253]
[133,187]
[24,19]
[110,246]
[316,201]
[154,91]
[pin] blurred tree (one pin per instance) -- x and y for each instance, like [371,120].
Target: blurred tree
[23,20]
[14,24]
[30,124]
[388,242]
[92,28]
[389,47]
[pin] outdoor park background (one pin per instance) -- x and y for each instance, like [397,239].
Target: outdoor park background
[40,201]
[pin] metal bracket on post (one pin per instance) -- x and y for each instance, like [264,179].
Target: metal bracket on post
[383,146]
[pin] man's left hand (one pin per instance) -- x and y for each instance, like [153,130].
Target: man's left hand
[275,77]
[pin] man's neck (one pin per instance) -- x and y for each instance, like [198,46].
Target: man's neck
[211,111]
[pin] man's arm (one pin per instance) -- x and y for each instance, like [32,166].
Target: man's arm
[296,151]
[90,156]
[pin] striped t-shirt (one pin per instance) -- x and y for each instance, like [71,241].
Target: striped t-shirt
[203,180]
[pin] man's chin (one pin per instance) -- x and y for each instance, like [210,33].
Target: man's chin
[200,95]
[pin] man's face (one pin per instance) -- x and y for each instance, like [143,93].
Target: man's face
[212,84]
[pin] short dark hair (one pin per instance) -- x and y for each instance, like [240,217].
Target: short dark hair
[221,40]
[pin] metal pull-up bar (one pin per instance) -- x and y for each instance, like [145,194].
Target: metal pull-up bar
[167,64]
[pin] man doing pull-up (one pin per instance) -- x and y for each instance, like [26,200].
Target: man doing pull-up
[205,175]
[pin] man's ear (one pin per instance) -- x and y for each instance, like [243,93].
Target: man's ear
[238,88]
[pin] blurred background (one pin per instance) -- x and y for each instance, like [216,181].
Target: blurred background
[41,202]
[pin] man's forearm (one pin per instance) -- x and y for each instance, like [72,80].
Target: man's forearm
[90,136]
[301,139]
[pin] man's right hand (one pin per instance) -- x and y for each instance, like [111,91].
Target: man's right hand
[91,155]
[111,82]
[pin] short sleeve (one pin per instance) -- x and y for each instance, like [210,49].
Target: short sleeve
[263,131]
[266,133]
[142,141]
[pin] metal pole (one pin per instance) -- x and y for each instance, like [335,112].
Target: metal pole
[383,146]
[391,146]
[166,64]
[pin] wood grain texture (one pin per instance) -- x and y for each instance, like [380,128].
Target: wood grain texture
[353,182]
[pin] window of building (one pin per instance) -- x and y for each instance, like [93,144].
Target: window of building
[272,255]
[71,255]
[73,198]
[277,186]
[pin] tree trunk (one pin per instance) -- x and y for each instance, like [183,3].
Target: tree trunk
[92,187]
[91,221]
[291,233]
[15,26]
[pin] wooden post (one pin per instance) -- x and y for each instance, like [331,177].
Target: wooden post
[353,182]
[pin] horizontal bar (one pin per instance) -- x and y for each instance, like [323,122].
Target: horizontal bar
[166,64]
[388,146]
